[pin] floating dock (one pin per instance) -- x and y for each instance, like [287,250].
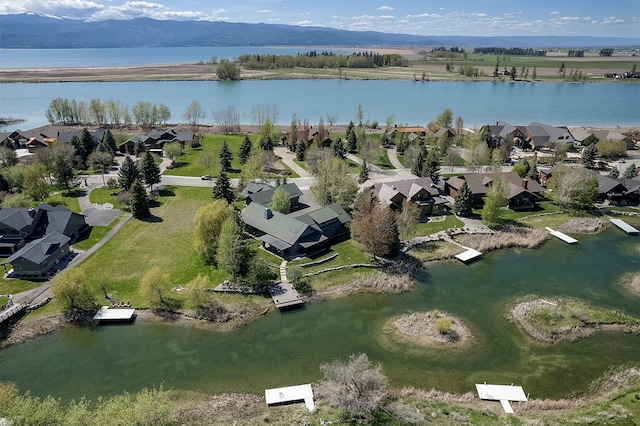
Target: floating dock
[106,314]
[502,393]
[285,296]
[624,226]
[560,235]
[468,256]
[290,394]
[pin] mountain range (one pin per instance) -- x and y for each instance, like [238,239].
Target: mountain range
[34,31]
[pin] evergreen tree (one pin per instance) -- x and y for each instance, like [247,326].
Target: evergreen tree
[431,166]
[64,175]
[364,172]
[614,173]
[418,165]
[589,154]
[128,173]
[222,188]
[463,201]
[225,157]
[266,143]
[110,142]
[352,138]
[139,200]
[338,149]
[150,170]
[630,172]
[301,149]
[245,149]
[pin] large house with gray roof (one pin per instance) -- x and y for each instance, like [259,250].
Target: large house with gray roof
[288,236]
[618,191]
[262,194]
[534,136]
[34,240]
[424,192]
[155,141]
[521,193]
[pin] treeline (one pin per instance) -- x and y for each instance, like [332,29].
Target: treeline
[606,52]
[576,53]
[313,59]
[515,51]
[106,113]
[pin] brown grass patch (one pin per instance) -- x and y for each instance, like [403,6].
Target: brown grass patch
[423,328]
[585,225]
[509,236]
[631,283]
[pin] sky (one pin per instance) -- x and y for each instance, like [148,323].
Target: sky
[600,18]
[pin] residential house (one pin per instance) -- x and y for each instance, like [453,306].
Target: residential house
[521,193]
[534,136]
[618,191]
[38,258]
[254,187]
[289,236]
[264,196]
[155,141]
[67,136]
[421,191]
[413,133]
[306,134]
[21,225]
[505,131]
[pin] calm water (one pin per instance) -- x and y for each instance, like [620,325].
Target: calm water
[479,103]
[45,58]
[284,349]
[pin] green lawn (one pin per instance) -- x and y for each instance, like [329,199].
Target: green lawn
[188,163]
[302,164]
[103,195]
[70,201]
[434,226]
[545,206]
[13,286]
[94,234]
[349,252]
[165,241]
[383,160]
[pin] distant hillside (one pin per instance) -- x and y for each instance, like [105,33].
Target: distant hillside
[31,31]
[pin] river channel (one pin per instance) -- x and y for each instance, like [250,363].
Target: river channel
[282,349]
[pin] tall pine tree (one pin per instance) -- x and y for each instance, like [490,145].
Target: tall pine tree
[463,201]
[139,200]
[245,149]
[364,172]
[150,170]
[222,188]
[418,165]
[225,157]
[128,173]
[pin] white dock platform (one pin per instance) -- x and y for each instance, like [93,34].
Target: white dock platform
[560,235]
[624,226]
[290,394]
[502,393]
[469,255]
[107,314]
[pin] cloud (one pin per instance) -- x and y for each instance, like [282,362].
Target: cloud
[303,23]
[385,8]
[264,11]
[63,8]
[555,12]
[613,20]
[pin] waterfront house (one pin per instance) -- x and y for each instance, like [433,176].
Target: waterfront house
[618,191]
[521,193]
[67,136]
[306,134]
[412,132]
[39,257]
[421,191]
[21,225]
[288,236]
[155,141]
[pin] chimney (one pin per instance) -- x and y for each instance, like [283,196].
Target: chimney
[32,212]
[268,214]
[525,183]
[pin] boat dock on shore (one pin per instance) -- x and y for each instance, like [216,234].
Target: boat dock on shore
[624,226]
[564,237]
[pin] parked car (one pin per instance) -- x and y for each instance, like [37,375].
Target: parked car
[622,160]
[206,177]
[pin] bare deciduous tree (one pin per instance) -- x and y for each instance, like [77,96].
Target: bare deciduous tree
[228,120]
[356,386]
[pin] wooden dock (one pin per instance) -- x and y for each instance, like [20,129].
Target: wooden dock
[564,237]
[284,295]
[624,226]
[106,314]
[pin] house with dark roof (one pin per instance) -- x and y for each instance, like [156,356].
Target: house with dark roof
[67,136]
[39,257]
[263,196]
[21,225]
[155,141]
[521,193]
[534,136]
[421,191]
[289,236]
[618,191]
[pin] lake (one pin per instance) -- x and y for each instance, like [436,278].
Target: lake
[408,102]
[286,349]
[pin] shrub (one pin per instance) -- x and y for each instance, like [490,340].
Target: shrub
[443,325]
